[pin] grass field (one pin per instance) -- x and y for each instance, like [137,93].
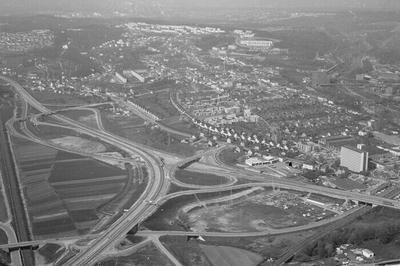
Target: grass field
[147,135]
[196,178]
[148,255]
[187,252]
[51,132]
[265,246]
[229,157]
[3,209]
[180,125]
[230,256]
[85,117]
[158,104]
[255,212]
[167,216]
[3,237]
[61,99]
[111,121]
[79,144]
[175,188]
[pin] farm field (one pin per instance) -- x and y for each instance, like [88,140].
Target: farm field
[148,255]
[196,178]
[66,194]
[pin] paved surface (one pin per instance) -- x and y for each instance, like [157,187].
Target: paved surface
[140,210]
[156,190]
[12,188]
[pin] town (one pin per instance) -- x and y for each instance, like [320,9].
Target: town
[271,133]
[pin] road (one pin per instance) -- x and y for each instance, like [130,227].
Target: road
[295,185]
[270,231]
[294,250]
[156,190]
[156,187]
[307,187]
[12,188]
[160,246]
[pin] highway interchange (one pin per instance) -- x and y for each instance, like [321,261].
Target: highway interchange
[160,178]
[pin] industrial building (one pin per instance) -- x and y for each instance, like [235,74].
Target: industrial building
[265,160]
[354,159]
[254,43]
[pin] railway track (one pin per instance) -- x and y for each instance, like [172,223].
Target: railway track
[12,188]
[294,250]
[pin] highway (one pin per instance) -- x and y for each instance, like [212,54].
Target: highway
[309,188]
[12,188]
[156,187]
[294,250]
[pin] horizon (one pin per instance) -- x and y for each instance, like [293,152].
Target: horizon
[128,6]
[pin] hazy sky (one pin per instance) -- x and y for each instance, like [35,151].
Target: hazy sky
[26,6]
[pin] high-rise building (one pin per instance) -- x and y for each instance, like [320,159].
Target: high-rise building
[354,159]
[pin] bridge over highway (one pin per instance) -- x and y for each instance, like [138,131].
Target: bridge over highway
[21,245]
[37,243]
[195,158]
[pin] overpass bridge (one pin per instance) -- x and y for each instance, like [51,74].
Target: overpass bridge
[22,245]
[34,244]
[197,157]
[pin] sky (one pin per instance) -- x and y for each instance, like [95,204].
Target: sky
[27,6]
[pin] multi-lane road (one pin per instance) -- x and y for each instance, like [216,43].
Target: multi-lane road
[159,179]
[10,180]
[156,187]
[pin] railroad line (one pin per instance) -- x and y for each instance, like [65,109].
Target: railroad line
[12,188]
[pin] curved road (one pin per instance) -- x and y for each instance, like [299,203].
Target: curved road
[156,191]
[138,212]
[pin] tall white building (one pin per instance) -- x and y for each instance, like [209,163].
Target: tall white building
[354,159]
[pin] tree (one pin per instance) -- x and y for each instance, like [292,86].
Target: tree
[321,249]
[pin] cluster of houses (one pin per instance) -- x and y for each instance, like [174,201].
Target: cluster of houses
[25,41]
